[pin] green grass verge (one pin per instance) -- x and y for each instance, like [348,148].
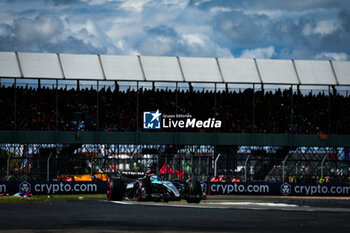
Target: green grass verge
[10,199]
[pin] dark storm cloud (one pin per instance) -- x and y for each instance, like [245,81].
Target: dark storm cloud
[272,4]
[337,41]
[240,29]
[292,36]
[41,34]
[298,29]
[63,2]
[161,30]
[163,40]
[295,4]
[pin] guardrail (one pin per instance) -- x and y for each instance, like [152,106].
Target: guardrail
[170,138]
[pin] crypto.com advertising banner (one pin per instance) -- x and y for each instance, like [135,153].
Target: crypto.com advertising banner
[54,187]
[211,188]
[286,189]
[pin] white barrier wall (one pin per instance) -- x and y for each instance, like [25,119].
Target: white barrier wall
[277,72]
[342,71]
[78,66]
[173,69]
[40,65]
[200,69]
[162,68]
[9,67]
[239,70]
[315,72]
[122,68]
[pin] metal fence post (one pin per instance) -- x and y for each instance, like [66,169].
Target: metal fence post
[216,163]
[322,163]
[97,110]
[48,167]
[8,166]
[199,166]
[137,113]
[192,165]
[245,168]
[91,165]
[297,168]
[283,167]
[207,167]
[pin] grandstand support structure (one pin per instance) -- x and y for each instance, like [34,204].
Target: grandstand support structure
[251,149]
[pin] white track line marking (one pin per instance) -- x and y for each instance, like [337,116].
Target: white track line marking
[123,202]
[209,204]
[267,204]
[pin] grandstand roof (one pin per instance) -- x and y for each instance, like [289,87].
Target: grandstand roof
[172,69]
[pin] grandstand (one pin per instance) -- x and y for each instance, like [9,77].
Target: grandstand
[281,120]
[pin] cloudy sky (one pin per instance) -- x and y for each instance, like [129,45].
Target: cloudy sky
[296,29]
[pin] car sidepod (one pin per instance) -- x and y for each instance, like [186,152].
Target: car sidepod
[171,187]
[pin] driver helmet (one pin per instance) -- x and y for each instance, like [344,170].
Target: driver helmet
[154,178]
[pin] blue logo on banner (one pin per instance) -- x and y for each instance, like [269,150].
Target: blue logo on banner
[151,120]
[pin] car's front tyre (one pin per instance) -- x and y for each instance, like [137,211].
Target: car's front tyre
[195,192]
[116,190]
[143,188]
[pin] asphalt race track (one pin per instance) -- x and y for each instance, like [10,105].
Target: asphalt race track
[217,214]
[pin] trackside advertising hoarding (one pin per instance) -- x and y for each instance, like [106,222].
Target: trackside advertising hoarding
[284,189]
[54,187]
[211,188]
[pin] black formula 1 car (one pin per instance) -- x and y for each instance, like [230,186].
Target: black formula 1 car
[153,188]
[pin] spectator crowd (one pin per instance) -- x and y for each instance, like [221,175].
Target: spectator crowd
[26,108]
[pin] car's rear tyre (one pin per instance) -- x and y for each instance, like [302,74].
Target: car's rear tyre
[116,190]
[194,191]
[142,187]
